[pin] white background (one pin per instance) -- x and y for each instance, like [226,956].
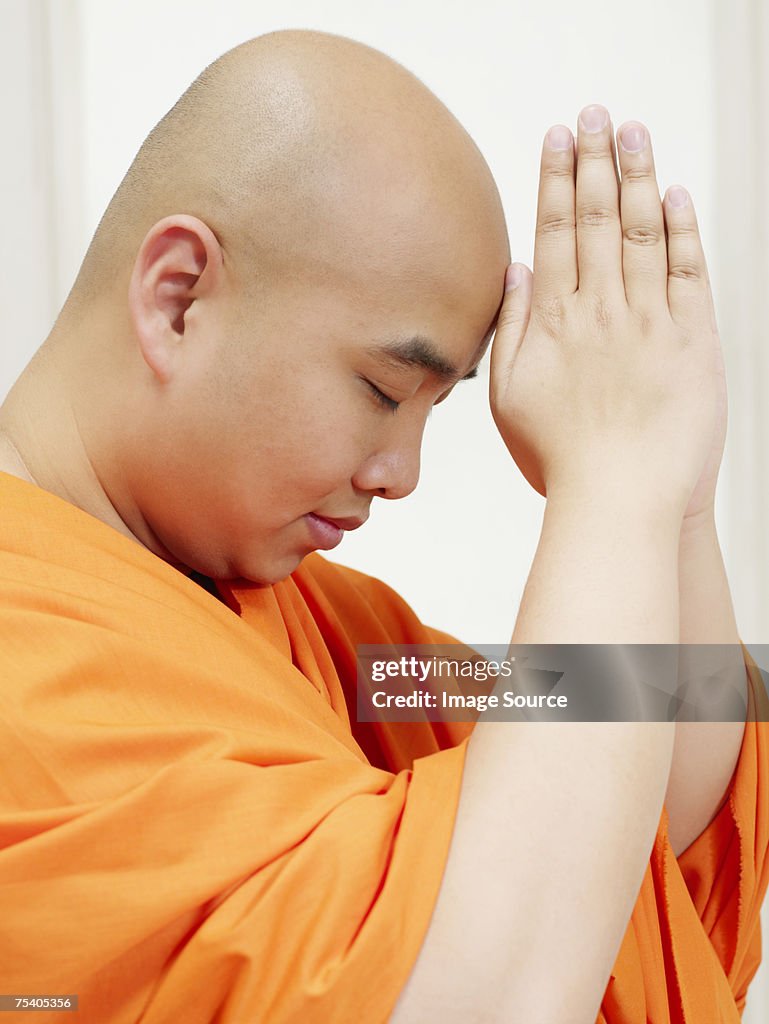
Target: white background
[460,547]
[84,82]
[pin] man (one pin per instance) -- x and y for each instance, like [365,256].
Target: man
[306,255]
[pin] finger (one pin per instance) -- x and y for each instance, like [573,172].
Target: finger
[644,252]
[614,157]
[599,238]
[688,281]
[512,321]
[555,249]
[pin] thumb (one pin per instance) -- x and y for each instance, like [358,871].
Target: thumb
[513,319]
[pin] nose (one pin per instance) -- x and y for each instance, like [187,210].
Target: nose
[392,471]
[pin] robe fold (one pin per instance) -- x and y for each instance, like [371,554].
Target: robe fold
[194,827]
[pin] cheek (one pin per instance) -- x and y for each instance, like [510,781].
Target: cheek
[288,462]
[292,435]
[318,457]
[319,429]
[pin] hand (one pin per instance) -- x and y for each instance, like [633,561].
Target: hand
[605,366]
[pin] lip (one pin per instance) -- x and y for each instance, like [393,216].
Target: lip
[350,523]
[327,533]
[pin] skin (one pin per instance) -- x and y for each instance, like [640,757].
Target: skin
[149,404]
[640,263]
[164,404]
[614,298]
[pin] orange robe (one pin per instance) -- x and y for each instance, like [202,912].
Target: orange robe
[192,829]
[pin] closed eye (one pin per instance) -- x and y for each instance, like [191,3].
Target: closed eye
[384,400]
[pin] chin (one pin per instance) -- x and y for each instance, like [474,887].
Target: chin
[273,572]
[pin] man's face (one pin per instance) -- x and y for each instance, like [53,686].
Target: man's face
[293,406]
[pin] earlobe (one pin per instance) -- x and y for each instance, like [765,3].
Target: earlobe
[178,262]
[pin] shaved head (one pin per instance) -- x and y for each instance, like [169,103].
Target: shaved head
[305,256]
[298,144]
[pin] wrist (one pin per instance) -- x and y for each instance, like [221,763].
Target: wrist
[618,504]
[605,571]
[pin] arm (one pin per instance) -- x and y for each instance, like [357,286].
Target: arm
[705,754]
[543,807]
[555,822]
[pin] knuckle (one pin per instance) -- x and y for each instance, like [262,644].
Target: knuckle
[555,223]
[637,173]
[602,313]
[596,216]
[642,234]
[592,149]
[645,324]
[686,270]
[550,315]
[683,338]
[683,230]
[558,171]
[510,318]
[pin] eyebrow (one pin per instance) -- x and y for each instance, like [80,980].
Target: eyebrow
[420,351]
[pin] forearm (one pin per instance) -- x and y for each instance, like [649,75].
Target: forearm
[605,571]
[706,750]
[543,804]
[710,644]
[706,611]
[553,833]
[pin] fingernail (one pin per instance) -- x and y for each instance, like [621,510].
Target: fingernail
[594,118]
[559,137]
[678,196]
[632,138]
[513,277]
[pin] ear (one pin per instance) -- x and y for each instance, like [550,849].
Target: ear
[179,261]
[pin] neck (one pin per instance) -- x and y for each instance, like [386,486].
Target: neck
[41,442]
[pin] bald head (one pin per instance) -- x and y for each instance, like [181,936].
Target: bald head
[296,144]
[306,254]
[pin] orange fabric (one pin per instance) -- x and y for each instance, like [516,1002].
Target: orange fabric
[693,943]
[192,828]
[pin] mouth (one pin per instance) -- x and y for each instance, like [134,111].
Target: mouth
[326,533]
[349,523]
